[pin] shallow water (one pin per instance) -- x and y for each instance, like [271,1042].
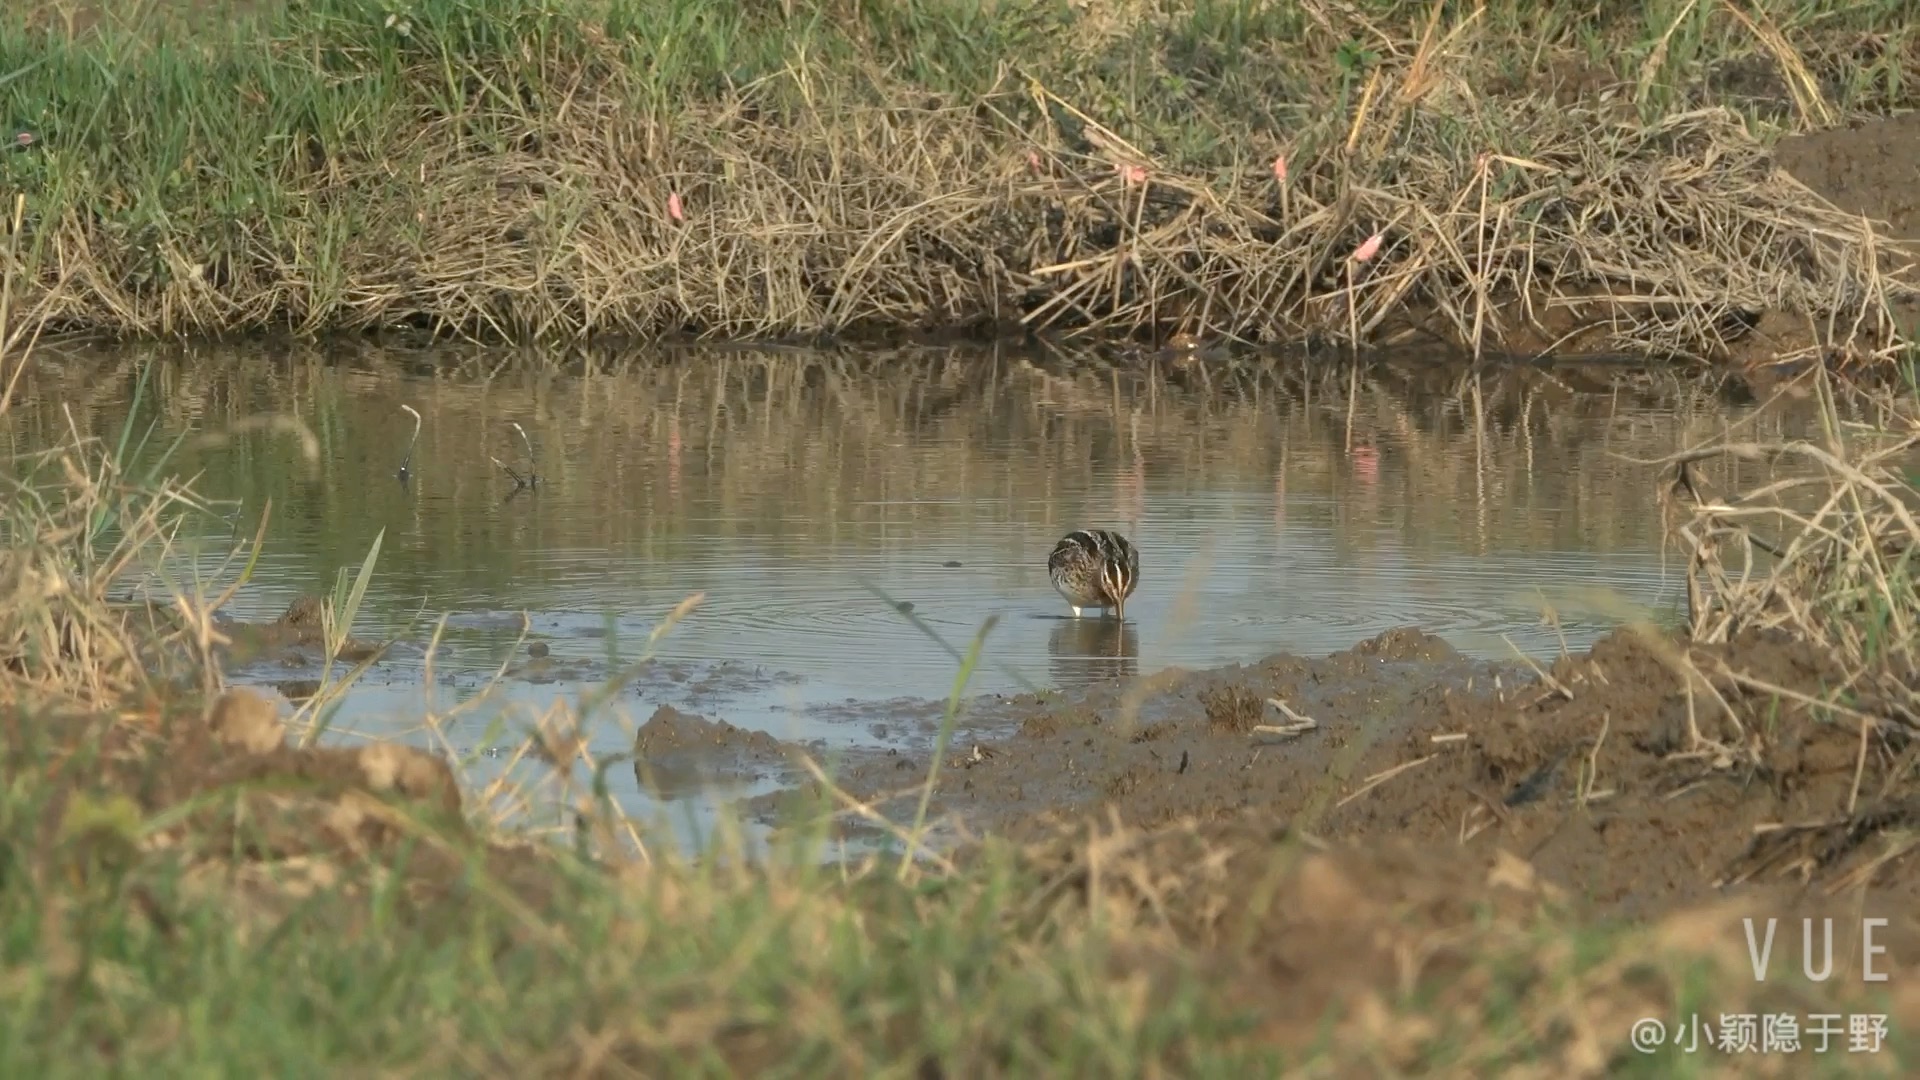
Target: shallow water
[1277,507]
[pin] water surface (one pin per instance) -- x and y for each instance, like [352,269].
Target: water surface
[1277,506]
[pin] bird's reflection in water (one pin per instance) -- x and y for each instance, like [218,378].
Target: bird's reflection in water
[1097,649]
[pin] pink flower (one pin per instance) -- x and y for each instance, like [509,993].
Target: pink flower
[1280,169]
[674,209]
[1033,161]
[1133,174]
[1366,464]
[1368,249]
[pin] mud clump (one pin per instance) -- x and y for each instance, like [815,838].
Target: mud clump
[246,721]
[305,800]
[305,615]
[298,630]
[1234,710]
[1187,747]
[677,753]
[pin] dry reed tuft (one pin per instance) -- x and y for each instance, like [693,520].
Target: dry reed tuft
[1823,551]
[835,198]
[75,524]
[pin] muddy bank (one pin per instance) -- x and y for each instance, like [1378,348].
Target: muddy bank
[1421,955]
[1603,771]
[248,817]
[675,753]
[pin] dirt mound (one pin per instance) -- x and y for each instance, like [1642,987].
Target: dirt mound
[1617,776]
[1871,168]
[247,818]
[676,753]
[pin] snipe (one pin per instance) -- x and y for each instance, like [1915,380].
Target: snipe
[1094,568]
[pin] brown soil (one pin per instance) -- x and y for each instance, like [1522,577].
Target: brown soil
[1443,818]
[1335,942]
[267,823]
[1322,925]
[295,639]
[1871,168]
[676,753]
[1591,773]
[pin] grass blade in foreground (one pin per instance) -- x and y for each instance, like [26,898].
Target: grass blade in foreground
[947,721]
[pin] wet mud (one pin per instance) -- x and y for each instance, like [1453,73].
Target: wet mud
[296,639]
[1616,778]
[677,753]
[288,652]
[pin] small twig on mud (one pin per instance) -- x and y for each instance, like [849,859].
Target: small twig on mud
[1492,807]
[1593,760]
[1763,686]
[1898,844]
[1449,737]
[1296,723]
[1859,766]
[1382,777]
[1555,684]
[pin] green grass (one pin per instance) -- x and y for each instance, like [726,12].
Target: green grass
[109,961]
[677,973]
[208,167]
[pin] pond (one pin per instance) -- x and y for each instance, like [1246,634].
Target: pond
[849,522]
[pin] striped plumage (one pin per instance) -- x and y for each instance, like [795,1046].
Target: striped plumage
[1094,568]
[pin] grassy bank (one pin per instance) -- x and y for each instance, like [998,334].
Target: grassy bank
[557,168]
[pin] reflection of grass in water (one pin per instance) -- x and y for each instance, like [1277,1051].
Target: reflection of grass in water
[855,436]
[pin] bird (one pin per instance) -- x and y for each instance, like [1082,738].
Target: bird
[1094,568]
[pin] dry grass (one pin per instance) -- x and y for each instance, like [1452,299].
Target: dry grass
[1818,553]
[838,195]
[1823,551]
[76,525]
